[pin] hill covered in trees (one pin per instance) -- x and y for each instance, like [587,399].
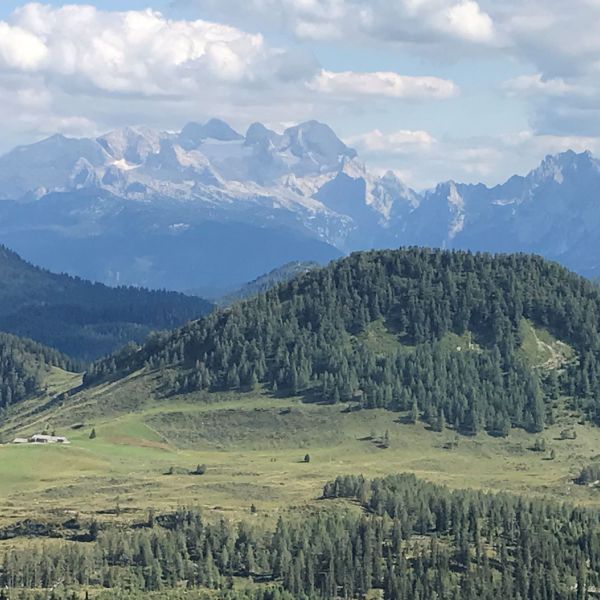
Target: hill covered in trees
[437,333]
[83,319]
[265,282]
[24,365]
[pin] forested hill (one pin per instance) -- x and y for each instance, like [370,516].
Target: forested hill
[438,333]
[80,318]
[24,365]
[266,282]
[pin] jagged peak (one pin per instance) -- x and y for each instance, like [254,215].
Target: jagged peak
[194,133]
[554,166]
[218,129]
[445,186]
[316,137]
[258,133]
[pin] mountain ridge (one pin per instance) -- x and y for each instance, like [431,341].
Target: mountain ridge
[267,281]
[304,182]
[83,319]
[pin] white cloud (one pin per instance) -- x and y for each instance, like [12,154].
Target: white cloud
[536,85]
[20,49]
[469,22]
[136,52]
[388,84]
[85,67]
[402,21]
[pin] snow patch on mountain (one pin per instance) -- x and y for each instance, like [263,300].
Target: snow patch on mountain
[457,207]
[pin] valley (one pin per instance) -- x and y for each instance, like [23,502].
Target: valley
[84,319]
[253,448]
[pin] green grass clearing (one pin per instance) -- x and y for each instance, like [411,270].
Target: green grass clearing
[253,446]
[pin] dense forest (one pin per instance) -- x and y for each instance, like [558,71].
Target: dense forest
[412,541]
[305,337]
[24,366]
[83,319]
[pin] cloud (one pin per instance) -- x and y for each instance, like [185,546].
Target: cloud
[402,21]
[469,22]
[136,52]
[555,40]
[20,49]
[397,142]
[101,69]
[388,84]
[559,39]
[144,53]
[424,160]
[536,85]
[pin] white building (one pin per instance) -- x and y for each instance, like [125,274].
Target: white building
[47,439]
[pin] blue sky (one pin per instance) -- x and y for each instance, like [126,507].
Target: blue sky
[433,89]
[7,6]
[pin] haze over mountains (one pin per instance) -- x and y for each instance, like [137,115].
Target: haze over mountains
[83,320]
[209,209]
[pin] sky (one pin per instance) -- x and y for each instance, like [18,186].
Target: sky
[431,89]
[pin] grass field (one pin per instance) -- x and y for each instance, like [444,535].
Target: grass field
[253,447]
[542,349]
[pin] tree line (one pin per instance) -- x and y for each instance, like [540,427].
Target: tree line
[412,541]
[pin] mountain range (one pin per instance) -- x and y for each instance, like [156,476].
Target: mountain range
[208,209]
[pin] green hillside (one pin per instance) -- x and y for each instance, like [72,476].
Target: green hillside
[130,482]
[83,319]
[25,367]
[471,340]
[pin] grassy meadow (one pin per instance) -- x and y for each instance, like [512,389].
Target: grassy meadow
[253,447]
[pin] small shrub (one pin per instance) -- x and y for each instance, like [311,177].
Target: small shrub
[386,440]
[589,474]
[540,445]
[568,434]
